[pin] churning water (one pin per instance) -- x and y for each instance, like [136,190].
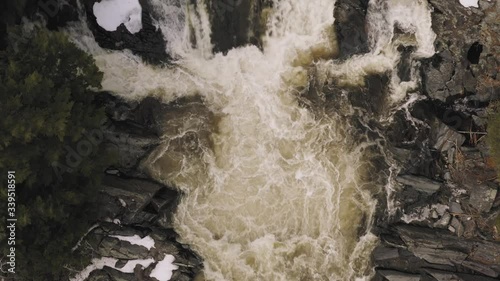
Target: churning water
[276,187]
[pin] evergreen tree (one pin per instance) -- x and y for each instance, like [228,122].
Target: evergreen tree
[50,135]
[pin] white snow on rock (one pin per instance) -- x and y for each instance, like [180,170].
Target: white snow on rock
[147,241]
[163,270]
[111,13]
[470,3]
[130,265]
[110,262]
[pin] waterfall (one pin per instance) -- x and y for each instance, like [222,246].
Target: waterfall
[277,190]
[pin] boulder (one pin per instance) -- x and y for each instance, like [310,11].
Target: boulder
[482,196]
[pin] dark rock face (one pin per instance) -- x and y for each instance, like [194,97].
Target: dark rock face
[237,23]
[350,22]
[131,204]
[133,130]
[148,43]
[447,202]
[467,60]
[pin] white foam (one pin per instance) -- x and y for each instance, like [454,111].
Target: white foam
[111,13]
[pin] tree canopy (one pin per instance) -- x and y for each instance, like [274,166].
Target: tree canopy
[49,135]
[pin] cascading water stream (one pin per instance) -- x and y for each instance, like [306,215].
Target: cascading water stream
[278,192]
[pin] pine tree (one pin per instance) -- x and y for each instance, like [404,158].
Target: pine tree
[47,91]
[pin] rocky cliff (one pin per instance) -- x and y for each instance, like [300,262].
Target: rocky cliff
[446,201]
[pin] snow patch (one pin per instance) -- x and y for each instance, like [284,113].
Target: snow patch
[110,262]
[111,13]
[470,3]
[163,270]
[147,241]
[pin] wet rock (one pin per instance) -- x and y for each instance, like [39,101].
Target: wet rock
[444,137]
[404,65]
[237,23]
[419,183]
[350,22]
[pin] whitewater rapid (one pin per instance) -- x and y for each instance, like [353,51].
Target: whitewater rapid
[274,190]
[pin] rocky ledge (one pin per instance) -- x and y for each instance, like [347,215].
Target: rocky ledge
[443,223]
[134,233]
